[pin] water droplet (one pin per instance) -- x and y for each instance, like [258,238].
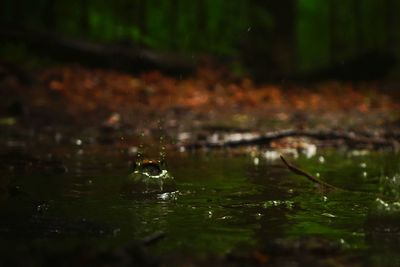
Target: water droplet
[58,137]
[310,150]
[132,150]
[256,161]
[164,196]
[78,142]
[184,136]
[116,232]
[358,153]
[42,207]
[271,155]
[328,215]
[321,159]
[225,218]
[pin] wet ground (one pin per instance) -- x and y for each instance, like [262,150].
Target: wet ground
[63,205]
[69,143]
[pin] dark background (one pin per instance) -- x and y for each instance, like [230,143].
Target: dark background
[287,39]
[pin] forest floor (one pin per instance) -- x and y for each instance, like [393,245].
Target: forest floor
[76,105]
[73,98]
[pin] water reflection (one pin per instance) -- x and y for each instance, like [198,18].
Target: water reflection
[225,201]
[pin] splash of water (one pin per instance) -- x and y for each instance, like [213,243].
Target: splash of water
[150,174]
[390,186]
[145,152]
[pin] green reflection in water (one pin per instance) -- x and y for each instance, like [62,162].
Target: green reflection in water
[358,219]
[224,203]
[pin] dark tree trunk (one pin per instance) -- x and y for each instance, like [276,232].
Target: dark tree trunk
[49,15]
[18,12]
[358,26]
[283,33]
[269,50]
[130,14]
[2,9]
[390,25]
[174,20]
[333,48]
[201,20]
[141,16]
[84,16]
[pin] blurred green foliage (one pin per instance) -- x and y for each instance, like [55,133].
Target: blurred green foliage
[312,33]
[335,30]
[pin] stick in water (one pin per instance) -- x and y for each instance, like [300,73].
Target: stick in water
[310,177]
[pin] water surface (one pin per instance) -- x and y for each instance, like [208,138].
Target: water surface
[224,203]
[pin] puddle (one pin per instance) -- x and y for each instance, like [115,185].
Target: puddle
[222,203]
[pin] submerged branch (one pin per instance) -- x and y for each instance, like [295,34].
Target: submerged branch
[310,177]
[323,185]
[351,138]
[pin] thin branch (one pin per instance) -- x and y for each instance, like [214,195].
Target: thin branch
[310,177]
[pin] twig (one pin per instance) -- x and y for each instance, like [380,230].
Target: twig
[310,177]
